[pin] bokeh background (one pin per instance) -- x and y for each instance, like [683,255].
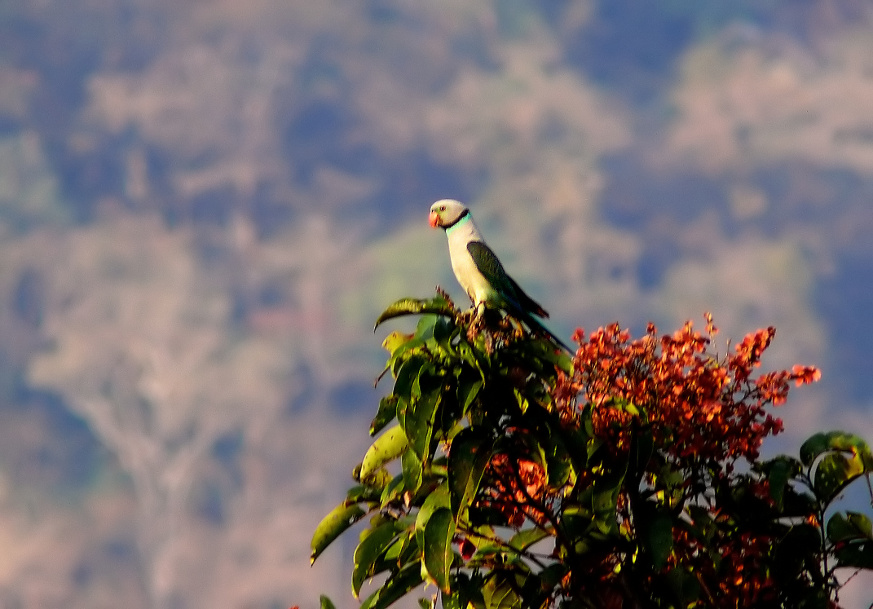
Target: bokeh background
[205,204]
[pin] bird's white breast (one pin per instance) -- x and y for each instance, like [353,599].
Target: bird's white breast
[463,265]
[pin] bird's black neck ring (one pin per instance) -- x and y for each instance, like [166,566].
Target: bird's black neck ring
[465,215]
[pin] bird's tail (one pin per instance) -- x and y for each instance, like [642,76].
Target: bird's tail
[534,324]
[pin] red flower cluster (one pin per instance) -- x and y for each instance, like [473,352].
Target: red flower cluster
[702,413]
[697,405]
[517,487]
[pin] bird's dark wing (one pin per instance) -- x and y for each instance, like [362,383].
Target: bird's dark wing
[527,303]
[489,265]
[487,262]
[525,306]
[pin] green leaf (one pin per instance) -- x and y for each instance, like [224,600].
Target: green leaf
[605,499]
[545,350]
[404,551]
[701,524]
[331,526]
[792,551]
[387,411]
[414,306]
[468,390]
[394,340]
[395,552]
[362,492]
[851,526]
[820,443]
[576,519]
[814,446]
[425,326]
[623,405]
[452,601]
[412,470]
[438,534]
[685,586]
[779,472]
[468,595]
[670,484]
[418,418]
[477,359]
[444,331]
[499,593]
[392,490]
[469,455]
[552,575]
[855,555]
[403,351]
[834,472]
[576,443]
[375,484]
[326,603]
[558,463]
[524,539]
[438,467]
[373,543]
[386,447]
[658,538]
[521,400]
[427,603]
[437,500]
[407,375]
[798,504]
[397,586]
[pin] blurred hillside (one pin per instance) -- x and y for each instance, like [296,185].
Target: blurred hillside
[204,205]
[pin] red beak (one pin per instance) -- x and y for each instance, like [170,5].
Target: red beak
[433,219]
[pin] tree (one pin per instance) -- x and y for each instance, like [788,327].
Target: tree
[626,476]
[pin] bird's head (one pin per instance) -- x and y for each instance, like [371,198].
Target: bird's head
[446,212]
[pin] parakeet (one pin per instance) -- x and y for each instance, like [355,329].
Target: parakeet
[480,272]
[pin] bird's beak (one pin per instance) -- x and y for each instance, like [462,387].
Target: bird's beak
[433,219]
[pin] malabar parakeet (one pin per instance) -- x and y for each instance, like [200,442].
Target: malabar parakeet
[480,272]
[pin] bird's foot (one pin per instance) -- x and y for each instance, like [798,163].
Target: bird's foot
[474,323]
[477,326]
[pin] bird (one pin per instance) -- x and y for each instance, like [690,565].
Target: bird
[480,272]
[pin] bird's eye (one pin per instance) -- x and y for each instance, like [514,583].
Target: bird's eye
[442,208]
